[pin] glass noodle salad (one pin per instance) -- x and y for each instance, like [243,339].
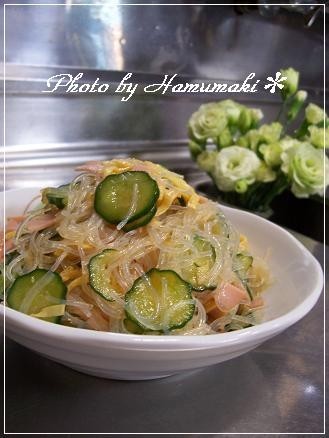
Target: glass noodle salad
[129,247]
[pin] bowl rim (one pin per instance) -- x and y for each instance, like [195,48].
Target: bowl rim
[257,333]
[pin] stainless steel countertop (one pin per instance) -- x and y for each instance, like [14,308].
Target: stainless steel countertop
[276,388]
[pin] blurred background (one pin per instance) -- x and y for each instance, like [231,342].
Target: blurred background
[47,135]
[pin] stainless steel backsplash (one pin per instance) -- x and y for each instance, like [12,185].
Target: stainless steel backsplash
[48,134]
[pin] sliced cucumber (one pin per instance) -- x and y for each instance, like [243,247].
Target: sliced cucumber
[197,273]
[52,292]
[144,220]
[132,327]
[241,264]
[99,276]
[128,195]
[56,195]
[160,301]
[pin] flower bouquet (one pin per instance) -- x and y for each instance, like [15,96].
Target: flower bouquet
[252,164]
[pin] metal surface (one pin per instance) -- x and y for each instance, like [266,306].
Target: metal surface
[276,388]
[205,41]
[79,117]
[48,134]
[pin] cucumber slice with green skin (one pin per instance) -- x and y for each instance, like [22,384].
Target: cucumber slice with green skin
[57,195]
[53,292]
[132,327]
[142,221]
[160,300]
[99,278]
[125,195]
[197,273]
[241,264]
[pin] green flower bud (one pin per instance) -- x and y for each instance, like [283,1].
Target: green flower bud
[232,109]
[318,136]
[265,134]
[233,164]
[195,148]
[296,105]
[291,83]
[271,133]
[207,123]
[265,174]
[304,167]
[249,118]
[250,140]
[225,138]
[207,160]
[243,141]
[241,186]
[271,154]
[257,115]
[314,114]
[245,120]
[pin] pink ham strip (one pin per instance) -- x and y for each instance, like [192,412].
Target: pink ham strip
[41,222]
[7,246]
[141,167]
[36,224]
[13,223]
[91,166]
[229,296]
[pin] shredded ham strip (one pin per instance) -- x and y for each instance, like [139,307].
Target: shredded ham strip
[5,246]
[42,222]
[36,224]
[14,222]
[224,299]
[91,166]
[228,296]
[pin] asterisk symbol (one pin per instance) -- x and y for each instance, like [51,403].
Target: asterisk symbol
[275,82]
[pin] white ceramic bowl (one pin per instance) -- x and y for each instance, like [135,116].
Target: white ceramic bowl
[297,286]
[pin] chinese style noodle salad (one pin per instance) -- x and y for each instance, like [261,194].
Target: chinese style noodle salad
[130,247]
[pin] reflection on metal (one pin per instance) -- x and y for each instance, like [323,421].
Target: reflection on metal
[201,41]
[310,389]
[95,34]
[53,164]
[47,135]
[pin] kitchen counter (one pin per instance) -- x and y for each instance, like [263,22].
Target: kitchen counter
[278,387]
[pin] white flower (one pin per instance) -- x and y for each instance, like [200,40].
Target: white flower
[305,169]
[288,142]
[233,164]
